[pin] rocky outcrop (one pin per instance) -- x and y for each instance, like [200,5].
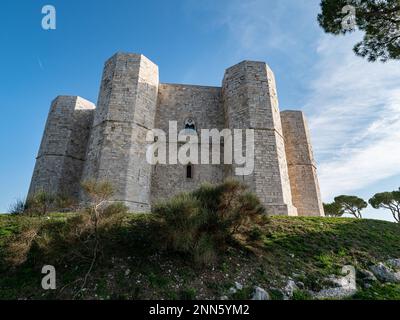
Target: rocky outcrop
[343,286]
[389,272]
[260,294]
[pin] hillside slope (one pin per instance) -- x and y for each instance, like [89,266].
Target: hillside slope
[131,266]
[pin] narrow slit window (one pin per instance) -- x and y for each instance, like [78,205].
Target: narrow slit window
[189,171]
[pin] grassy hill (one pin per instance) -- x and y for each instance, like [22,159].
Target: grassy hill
[132,266]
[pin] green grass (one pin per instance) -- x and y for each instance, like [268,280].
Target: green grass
[307,249]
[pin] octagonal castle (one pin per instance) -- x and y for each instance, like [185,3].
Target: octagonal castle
[108,142]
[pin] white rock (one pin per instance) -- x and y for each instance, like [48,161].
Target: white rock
[394,263]
[260,294]
[344,286]
[232,290]
[238,286]
[224,298]
[127,272]
[384,274]
[290,288]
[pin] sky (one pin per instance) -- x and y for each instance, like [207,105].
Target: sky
[352,106]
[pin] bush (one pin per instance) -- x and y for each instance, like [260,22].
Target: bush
[41,203]
[17,208]
[203,222]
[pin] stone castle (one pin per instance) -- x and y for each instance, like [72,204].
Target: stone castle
[108,142]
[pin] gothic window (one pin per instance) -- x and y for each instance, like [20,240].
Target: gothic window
[189,171]
[190,124]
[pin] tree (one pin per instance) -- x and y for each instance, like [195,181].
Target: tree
[333,209]
[378,19]
[387,200]
[352,205]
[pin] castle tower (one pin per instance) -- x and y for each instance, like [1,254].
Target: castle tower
[61,156]
[251,102]
[126,111]
[301,164]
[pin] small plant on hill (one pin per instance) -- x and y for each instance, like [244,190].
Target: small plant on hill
[203,222]
[40,203]
[17,208]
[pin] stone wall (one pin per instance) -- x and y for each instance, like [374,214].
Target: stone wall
[109,142]
[126,110]
[302,169]
[179,103]
[61,156]
[251,102]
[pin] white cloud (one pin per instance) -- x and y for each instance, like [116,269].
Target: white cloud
[354,115]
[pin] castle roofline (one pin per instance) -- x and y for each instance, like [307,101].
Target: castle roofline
[190,85]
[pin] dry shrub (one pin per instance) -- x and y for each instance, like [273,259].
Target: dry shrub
[203,222]
[19,247]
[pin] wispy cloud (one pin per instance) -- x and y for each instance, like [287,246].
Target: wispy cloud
[354,114]
[353,106]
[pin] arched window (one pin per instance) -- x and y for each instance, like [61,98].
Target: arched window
[190,124]
[189,171]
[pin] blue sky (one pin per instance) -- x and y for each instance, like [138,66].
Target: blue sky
[353,106]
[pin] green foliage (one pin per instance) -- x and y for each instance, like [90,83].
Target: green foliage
[40,203]
[378,19]
[188,294]
[98,191]
[310,247]
[352,205]
[201,223]
[255,233]
[379,292]
[301,295]
[387,200]
[333,209]
[17,208]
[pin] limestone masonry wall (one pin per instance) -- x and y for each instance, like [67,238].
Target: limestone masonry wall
[179,103]
[302,169]
[62,152]
[250,101]
[83,142]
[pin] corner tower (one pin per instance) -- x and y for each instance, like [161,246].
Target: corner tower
[61,156]
[126,111]
[251,102]
[302,169]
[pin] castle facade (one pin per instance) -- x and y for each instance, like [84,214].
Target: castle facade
[108,142]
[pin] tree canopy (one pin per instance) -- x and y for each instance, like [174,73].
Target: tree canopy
[344,204]
[387,200]
[378,19]
[333,209]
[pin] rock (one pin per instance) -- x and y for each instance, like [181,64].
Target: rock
[367,276]
[394,263]
[289,289]
[127,272]
[224,298]
[260,294]
[232,290]
[385,274]
[238,286]
[344,286]
[301,285]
